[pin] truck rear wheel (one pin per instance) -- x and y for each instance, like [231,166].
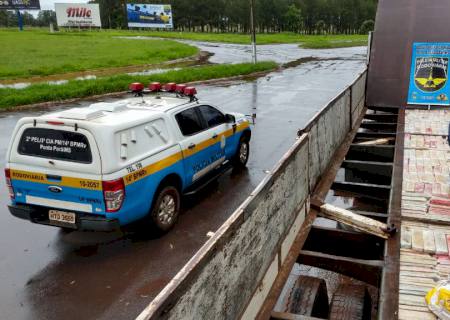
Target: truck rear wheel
[166,208]
[351,302]
[309,297]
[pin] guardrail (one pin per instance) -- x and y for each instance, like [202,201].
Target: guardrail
[231,275]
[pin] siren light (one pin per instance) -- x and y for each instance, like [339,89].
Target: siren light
[136,87]
[180,88]
[170,87]
[154,86]
[190,91]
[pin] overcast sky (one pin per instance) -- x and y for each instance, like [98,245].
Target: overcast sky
[50,4]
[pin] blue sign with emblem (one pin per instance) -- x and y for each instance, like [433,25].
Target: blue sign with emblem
[428,83]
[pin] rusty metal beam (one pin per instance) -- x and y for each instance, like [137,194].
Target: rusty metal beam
[381,153]
[382,126]
[370,167]
[382,117]
[374,215]
[393,110]
[366,190]
[364,270]
[375,135]
[388,303]
[345,243]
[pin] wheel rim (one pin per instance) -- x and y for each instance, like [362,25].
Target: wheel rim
[167,210]
[243,152]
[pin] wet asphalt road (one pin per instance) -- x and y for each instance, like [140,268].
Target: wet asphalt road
[48,274]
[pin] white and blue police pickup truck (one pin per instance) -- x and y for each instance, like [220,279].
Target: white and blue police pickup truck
[110,164]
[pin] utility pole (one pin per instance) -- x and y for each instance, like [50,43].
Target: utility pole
[252,26]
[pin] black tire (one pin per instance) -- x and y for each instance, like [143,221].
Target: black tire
[309,297]
[240,161]
[164,221]
[351,302]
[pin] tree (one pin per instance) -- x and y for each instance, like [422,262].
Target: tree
[293,18]
[46,17]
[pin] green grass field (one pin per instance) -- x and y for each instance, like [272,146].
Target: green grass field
[306,41]
[39,53]
[36,52]
[79,89]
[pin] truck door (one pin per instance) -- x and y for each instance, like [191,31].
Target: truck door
[197,144]
[218,127]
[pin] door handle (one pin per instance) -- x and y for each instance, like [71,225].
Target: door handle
[53,177]
[215,136]
[191,146]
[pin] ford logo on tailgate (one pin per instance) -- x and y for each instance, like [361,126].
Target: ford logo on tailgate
[55,189]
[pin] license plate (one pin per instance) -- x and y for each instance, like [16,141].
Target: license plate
[61,216]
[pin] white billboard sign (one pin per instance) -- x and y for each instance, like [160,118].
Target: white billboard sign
[78,15]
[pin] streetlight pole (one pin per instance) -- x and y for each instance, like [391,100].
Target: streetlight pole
[252,26]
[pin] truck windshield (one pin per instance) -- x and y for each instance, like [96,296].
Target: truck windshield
[55,144]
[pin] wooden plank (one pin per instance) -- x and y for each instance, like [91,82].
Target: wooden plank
[430,274]
[411,314]
[441,242]
[418,281]
[412,300]
[417,240]
[428,242]
[415,254]
[406,238]
[417,268]
[427,218]
[412,287]
[415,308]
[354,220]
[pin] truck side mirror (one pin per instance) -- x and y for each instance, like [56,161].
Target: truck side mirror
[230,118]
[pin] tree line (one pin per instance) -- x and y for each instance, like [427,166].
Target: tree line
[300,16]
[43,19]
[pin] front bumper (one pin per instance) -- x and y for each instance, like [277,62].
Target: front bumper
[84,222]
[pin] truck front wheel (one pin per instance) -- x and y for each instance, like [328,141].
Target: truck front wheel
[242,154]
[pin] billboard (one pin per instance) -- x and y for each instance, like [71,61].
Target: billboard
[428,80]
[149,16]
[20,4]
[77,15]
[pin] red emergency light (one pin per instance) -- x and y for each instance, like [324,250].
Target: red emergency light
[190,91]
[136,87]
[170,87]
[180,88]
[154,86]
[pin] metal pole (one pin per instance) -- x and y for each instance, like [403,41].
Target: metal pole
[19,20]
[252,26]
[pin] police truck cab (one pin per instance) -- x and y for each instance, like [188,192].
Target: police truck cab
[110,164]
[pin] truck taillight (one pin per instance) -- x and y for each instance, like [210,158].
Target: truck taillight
[113,194]
[9,184]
